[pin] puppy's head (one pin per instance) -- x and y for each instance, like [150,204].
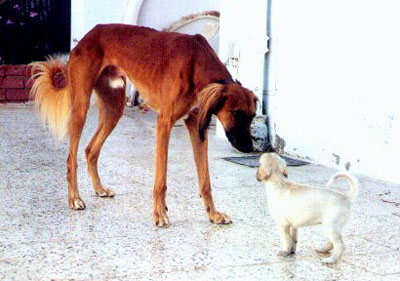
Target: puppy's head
[270,164]
[235,107]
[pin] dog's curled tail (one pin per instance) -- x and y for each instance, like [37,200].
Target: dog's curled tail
[351,179]
[51,94]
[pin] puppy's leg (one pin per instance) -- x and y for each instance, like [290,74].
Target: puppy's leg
[325,249]
[333,230]
[111,107]
[293,235]
[164,125]
[286,240]
[338,249]
[201,159]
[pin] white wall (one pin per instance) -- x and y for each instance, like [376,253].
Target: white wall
[161,13]
[336,66]
[243,36]
[154,13]
[85,14]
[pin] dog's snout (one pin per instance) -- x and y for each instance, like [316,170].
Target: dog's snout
[241,140]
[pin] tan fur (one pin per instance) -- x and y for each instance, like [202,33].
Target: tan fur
[208,102]
[52,103]
[295,205]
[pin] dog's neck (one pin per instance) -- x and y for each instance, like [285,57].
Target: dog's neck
[277,181]
[228,81]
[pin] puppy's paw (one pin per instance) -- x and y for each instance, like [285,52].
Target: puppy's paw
[283,253]
[329,261]
[324,249]
[102,191]
[220,218]
[76,203]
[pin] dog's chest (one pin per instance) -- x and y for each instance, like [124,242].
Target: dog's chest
[272,198]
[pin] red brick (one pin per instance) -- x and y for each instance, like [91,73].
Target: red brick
[12,83]
[2,70]
[28,70]
[17,95]
[28,82]
[2,95]
[16,70]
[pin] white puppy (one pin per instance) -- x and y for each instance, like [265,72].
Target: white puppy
[293,205]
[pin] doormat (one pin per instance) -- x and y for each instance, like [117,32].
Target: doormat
[252,161]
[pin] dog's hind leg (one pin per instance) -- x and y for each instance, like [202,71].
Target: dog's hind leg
[83,69]
[111,103]
[338,248]
[201,159]
[326,248]
[332,229]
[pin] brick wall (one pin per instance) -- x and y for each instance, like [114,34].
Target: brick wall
[15,83]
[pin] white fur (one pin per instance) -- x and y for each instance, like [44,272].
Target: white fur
[294,205]
[117,83]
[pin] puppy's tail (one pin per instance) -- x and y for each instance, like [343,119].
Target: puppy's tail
[51,94]
[352,181]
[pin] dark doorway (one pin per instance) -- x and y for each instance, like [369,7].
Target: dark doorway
[33,29]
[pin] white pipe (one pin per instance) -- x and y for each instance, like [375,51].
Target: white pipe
[270,89]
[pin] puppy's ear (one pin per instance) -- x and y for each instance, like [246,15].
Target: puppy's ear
[262,173]
[282,168]
[210,100]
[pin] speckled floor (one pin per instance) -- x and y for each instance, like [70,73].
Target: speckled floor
[113,239]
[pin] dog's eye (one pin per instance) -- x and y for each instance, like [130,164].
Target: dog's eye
[237,113]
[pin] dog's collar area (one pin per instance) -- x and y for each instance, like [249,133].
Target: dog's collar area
[228,81]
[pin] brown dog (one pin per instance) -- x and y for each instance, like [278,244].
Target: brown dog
[177,75]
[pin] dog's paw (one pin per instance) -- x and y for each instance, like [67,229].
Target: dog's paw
[102,191]
[284,253]
[324,249]
[220,218]
[76,203]
[160,220]
[329,261]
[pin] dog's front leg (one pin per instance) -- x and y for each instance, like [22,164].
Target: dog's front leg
[286,240]
[200,151]
[160,209]
[293,235]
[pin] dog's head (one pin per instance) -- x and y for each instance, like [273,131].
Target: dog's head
[271,163]
[234,106]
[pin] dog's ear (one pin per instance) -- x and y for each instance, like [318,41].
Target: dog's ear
[210,100]
[262,173]
[282,168]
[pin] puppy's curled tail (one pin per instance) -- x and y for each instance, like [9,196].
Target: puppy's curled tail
[51,94]
[352,181]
